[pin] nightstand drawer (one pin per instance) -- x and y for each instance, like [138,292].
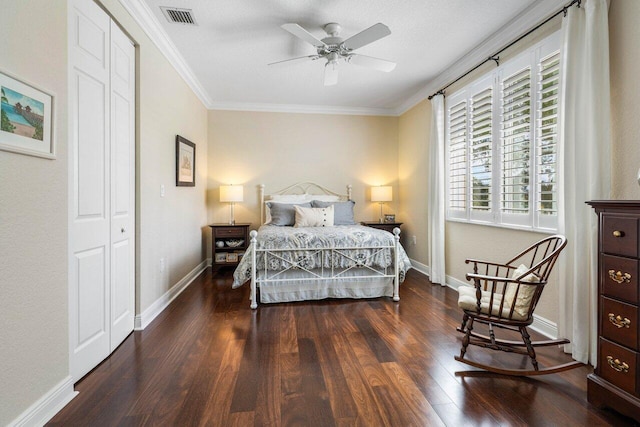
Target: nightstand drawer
[619,235]
[619,277]
[229,232]
[620,322]
[618,365]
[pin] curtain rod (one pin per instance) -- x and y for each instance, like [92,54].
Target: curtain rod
[495,56]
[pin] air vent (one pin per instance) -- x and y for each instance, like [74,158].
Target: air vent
[179,16]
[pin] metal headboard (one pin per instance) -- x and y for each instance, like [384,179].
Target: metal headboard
[306,187]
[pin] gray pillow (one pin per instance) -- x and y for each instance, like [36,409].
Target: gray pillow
[284,213]
[342,211]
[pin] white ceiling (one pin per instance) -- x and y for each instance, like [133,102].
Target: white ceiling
[224,58]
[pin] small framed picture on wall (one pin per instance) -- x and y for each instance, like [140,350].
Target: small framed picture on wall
[185,162]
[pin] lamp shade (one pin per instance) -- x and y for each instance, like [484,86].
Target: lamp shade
[382,193]
[231,193]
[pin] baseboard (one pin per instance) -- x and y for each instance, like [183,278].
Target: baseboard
[145,318]
[422,268]
[47,406]
[544,326]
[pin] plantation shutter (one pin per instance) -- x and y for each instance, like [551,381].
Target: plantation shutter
[481,111]
[457,129]
[547,141]
[516,147]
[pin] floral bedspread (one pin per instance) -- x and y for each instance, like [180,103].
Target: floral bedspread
[302,242]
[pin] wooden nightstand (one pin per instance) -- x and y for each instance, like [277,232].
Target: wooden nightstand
[387,226]
[225,247]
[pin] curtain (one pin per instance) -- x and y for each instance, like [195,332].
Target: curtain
[436,189]
[584,148]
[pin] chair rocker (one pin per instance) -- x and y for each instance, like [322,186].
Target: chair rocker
[505,296]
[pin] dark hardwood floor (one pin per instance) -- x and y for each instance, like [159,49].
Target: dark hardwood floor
[208,359]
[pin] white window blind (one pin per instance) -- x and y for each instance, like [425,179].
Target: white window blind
[481,148]
[547,141]
[457,134]
[502,138]
[516,140]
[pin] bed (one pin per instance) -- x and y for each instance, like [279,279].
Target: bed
[317,258]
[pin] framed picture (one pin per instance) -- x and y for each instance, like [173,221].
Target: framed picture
[185,162]
[27,118]
[221,257]
[389,218]
[232,257]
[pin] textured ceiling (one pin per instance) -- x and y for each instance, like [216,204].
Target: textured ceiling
[228,51]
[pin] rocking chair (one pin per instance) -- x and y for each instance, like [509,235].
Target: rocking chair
[505,296]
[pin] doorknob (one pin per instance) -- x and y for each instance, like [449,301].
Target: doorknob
[122,230]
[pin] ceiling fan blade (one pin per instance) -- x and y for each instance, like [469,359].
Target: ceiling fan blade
[303,34]
[371,62]
[364,37]
[299,59]
[330,74]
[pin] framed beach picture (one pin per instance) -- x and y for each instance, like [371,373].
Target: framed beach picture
[26,125]
[185,162]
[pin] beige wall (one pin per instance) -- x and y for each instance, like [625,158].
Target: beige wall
[33,218]
[413,176]
[280,149]
[624,35]
[33,200]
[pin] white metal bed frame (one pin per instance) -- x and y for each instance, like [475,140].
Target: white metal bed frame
[324,274]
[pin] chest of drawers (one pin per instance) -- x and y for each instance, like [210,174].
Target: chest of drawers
[615,382]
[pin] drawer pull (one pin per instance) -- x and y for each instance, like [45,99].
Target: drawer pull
[617,233]
[619,277]
[616,365]
[618,321]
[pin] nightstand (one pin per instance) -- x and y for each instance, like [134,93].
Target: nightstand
[228,244]
[386,226]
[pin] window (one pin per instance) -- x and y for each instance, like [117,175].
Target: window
[502,133]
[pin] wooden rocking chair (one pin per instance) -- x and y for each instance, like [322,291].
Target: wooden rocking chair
[505,296]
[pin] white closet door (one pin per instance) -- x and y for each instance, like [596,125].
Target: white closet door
[122,186]
[102,181]
[89,232]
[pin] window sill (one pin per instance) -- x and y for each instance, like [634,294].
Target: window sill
[505,226]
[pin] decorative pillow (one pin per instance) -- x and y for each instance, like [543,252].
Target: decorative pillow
[313,217]
[525,293]
[343,211]
[283,213]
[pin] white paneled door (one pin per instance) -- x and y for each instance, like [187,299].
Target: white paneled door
[102,186]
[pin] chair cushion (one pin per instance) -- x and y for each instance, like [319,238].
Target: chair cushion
[525,293]
[467,301]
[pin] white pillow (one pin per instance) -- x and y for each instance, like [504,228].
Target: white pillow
[525,293]
[314,217]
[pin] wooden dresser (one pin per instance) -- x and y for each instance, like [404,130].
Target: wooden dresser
[616,380]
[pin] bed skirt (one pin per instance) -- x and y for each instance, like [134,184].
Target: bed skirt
[346,287]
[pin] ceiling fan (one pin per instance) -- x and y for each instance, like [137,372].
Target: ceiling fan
[334,49]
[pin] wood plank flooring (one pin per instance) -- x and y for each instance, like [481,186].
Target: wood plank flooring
[209,360]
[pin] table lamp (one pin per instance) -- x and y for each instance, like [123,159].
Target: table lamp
[231,194]
[381,194]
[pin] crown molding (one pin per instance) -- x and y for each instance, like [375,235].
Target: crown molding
[141,13]
[304,109]
[536,13]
